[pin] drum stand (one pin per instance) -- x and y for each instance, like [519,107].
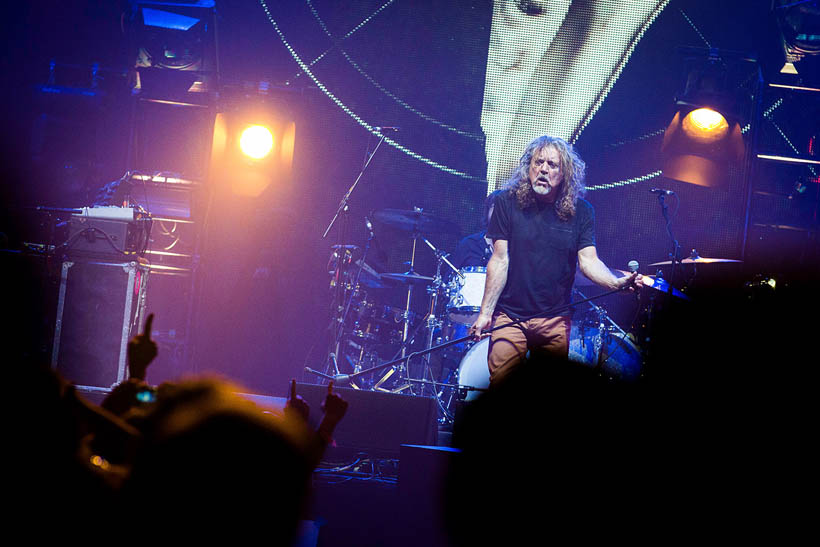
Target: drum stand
[605,326]
[433,323]
[347,378]
[403,367]
[345,291]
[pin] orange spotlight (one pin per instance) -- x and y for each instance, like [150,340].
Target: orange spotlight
[256,141]
[705,125]
[699,145]
[704,138]
[250,151]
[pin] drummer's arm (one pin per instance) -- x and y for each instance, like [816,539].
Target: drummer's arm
[494,284]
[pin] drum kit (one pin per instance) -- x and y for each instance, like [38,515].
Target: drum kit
[428,351]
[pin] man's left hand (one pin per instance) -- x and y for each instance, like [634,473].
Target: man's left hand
[632,281]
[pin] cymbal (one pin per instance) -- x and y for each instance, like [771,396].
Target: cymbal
[407,277]
[661,285]
[414,221]
[369,277]
[696,260]
[648,281]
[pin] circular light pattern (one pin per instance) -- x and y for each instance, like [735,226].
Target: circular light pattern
[707,119]
[705,125]
[256,141]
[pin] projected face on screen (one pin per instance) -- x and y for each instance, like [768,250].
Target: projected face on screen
[549,67]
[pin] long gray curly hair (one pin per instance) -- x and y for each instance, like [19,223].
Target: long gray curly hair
[572,167]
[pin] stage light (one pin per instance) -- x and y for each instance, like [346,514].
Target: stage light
[798,23]
[251,150]
[174,45]
[705,125]
[704,137]
[256,141]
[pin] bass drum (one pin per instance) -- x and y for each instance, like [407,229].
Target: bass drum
[619,357]
[473,370]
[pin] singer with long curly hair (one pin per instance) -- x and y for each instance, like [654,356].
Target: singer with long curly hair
[541,228]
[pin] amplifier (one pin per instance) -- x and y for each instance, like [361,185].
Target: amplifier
[106,239]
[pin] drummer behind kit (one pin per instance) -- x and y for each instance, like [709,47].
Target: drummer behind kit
[373,333]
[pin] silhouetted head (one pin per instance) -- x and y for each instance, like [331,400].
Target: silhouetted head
[215,461]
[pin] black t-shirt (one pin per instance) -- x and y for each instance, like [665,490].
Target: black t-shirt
[543,251]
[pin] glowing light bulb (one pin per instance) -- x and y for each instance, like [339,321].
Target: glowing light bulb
[705,125]
[256,141]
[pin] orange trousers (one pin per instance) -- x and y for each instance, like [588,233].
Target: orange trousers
[509,345]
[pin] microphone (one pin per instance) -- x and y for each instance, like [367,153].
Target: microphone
[662,191]
[369,226]
[633,266]
[385,128]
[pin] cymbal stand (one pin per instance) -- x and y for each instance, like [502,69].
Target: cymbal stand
[404,344]
[403,367]
[675,259]
[433,322]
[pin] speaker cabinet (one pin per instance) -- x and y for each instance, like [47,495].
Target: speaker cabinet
[376,422]
[98,307]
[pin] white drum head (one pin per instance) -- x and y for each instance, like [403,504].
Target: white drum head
[473,370]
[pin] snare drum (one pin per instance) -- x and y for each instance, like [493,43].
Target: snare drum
[465,303]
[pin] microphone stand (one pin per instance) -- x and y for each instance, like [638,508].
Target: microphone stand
[346,378]
[339,300]
[343,203]
[675,245]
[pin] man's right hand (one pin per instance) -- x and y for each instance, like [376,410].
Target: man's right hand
[141,351]
[481,324]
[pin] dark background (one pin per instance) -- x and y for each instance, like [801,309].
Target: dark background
[420,66]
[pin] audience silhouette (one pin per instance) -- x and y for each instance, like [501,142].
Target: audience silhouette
[192,458]
[708,439]
[697,446]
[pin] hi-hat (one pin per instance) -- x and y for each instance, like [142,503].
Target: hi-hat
[414,221]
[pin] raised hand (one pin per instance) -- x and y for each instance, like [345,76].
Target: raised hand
[141,351]
[296,405]
[334,406]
